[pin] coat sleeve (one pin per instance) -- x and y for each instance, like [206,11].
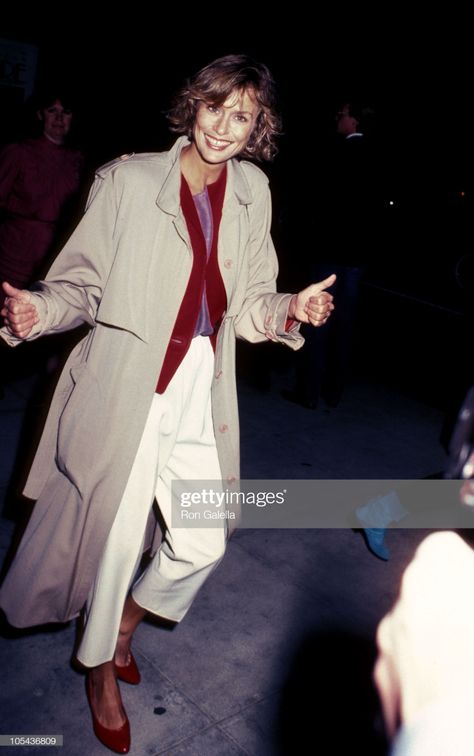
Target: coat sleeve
[72,289]
[264,313]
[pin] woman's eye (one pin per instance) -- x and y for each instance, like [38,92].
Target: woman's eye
[213,108]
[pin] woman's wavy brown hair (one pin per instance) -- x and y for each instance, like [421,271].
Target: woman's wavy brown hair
[215,83]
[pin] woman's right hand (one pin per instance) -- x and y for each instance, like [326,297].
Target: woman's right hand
[19,313]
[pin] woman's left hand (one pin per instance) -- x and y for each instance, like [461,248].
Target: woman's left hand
[313,305]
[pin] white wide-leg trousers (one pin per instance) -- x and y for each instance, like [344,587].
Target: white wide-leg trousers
[178,442]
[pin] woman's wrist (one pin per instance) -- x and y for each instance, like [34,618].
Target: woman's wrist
[292,308]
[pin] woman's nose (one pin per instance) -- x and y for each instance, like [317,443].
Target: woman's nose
[222,124]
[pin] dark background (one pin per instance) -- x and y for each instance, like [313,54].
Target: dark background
[414,70]
[412,66]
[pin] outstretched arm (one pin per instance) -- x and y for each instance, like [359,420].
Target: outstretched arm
[72,290]
[265,313]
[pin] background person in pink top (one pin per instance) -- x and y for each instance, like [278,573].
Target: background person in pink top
[39,178]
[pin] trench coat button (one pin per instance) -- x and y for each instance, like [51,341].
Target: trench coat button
[268,320]
[218,375]
[231,479]
[223,428]
[228,263]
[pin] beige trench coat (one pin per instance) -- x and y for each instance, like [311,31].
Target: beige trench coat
[125,270]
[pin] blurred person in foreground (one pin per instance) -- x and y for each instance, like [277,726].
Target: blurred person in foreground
[425,667]
[172,261]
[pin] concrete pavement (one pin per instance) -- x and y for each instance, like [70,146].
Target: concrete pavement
[275,655]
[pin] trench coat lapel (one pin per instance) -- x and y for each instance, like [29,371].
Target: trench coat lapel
[168,199]
[233,227]
[238,193]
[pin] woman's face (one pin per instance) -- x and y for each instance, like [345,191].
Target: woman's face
[57,122]
[222,131]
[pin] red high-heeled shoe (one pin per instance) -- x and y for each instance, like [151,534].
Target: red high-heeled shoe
[116,740]
[130,672]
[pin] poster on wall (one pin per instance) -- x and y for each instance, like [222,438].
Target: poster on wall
[18,61]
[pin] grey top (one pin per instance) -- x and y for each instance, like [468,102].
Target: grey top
[202,203]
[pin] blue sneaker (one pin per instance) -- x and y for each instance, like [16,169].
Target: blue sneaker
[374,538]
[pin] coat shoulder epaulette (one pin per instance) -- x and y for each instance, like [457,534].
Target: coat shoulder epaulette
[132,157]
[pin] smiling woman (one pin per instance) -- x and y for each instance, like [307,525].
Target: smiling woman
[171,263]
[57,120]
[220,132]
[235,83]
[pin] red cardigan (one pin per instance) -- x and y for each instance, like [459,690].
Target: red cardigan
[203,271]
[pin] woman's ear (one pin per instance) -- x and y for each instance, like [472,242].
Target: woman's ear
[39,115]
